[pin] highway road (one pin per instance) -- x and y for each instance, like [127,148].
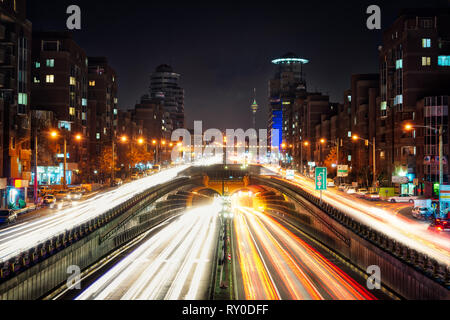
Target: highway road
[25,235]
[174,264]
[386,219]
[274,263]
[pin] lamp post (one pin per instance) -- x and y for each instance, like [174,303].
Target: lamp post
[374,154]
[410,127]
[54,135]
[306,144]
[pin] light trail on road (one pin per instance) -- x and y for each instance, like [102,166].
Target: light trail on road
[174,264]
[23,236]
[276,264]
[407,231]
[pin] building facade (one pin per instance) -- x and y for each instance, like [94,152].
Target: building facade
[165,86]
[102,107]
[15,69]
[60,85]
[414,64]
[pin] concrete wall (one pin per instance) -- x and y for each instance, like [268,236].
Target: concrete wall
[40,279]
[407,273]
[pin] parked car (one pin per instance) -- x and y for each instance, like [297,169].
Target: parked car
[135,176]
[75,195]
[343,187]
[118,182]
[440,225]
[372,196]
[403,198]
[49,200]
[7,216]
[330,183]
[62,195]
[61,204]
[423,213]
[361,192]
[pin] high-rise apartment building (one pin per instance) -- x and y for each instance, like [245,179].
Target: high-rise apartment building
[284,87]
[60,85]
[414,64]
[15,123]
[165,86]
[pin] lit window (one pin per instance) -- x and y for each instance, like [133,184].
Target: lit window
[349,98]
[50,63]
[37,65]
[37,80]
[84,102]
[91,83]
[349,134]
[73,81]
[115,111]
[116,100]
[426,43]
[97,136]
[349,158]
[399,64]
[426,61]
[23,99]
[72,111]
[444,61]
[50,78]
[83,116]
[383,105]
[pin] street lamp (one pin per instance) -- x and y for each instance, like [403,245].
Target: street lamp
[54,134]
[409,127]
[304,144]
[373,144]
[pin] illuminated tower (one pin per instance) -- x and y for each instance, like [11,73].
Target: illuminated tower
[254,108]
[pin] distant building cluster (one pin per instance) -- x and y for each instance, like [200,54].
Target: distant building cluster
[411,90]
[48,83]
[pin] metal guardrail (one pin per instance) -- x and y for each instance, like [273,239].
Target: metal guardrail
[49,247]
[419,261]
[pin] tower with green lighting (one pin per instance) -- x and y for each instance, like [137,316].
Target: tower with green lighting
[254,107]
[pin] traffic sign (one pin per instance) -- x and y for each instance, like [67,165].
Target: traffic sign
[321,179]
[290,174]
[342,171]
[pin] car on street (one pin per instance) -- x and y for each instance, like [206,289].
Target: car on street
[62,195]
[118,182]
[61,204]
[422,213]
[440,225]
[135,176]
[372,196]
[7,216]
[361,192]
[344,187]
[49,199]
[330,183]
[350,190]
[403,198]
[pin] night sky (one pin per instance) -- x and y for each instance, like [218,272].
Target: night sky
[223,49]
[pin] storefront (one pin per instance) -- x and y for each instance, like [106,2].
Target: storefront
[48,176]
[16,194]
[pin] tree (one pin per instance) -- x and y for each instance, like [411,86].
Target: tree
[331,160]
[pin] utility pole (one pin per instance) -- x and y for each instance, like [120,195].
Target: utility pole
[65,162]
[374,163]
[113,162]
[36,198]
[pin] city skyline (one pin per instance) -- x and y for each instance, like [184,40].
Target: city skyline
[242,36]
